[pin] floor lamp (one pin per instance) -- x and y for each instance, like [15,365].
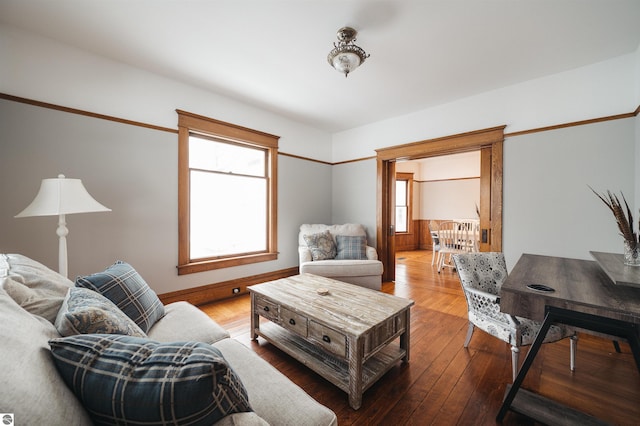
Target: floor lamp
[58,197]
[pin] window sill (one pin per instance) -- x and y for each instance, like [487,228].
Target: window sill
[209,265]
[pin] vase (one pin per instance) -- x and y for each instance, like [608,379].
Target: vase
[631,254]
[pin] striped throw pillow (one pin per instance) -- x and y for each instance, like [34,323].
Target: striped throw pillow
[351,247]
[121,284]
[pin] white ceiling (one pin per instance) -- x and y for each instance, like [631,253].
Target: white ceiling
[272,53]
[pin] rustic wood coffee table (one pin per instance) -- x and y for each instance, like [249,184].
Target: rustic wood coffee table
[345,335]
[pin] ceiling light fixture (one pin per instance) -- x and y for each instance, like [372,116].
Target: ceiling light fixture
[346,56]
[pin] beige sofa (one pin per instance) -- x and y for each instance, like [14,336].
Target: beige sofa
[32,389]
[365,271]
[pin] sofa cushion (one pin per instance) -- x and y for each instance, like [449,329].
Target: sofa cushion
[184,321]
[121,284]
[30,386]
[248,418]
[122,379]
[351,247]
[36,288]
[274,397]
[343,268]
[322,245]
[84,311]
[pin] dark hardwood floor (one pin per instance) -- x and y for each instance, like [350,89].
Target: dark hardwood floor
[446,384]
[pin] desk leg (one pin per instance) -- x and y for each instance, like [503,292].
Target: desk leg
[610,326]
[533,351]
[604,325]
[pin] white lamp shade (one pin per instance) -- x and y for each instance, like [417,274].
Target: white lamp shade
[62,196]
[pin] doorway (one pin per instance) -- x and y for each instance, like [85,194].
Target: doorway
[488,141]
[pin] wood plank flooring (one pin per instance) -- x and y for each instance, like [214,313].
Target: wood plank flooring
[446,384]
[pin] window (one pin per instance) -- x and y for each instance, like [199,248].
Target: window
[227,195]
[403,202]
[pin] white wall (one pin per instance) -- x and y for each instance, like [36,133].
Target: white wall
[598,90]
[456,166]
[449,199]
[132,171]
[353,193]
[443,190]
[561,169]
[548,206]
[40,69]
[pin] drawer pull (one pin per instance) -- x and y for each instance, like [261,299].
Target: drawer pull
[266,309]
[292,321]
[326,338]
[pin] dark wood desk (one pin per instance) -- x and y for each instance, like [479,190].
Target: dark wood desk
[584,297]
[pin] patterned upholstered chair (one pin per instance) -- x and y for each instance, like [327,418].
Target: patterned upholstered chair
[481,276]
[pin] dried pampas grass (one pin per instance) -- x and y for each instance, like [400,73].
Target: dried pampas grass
[623,216]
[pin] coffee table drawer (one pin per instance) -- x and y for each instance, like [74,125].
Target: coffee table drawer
[267,309]
[328,338]
[293,321]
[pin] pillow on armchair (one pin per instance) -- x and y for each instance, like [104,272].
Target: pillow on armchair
[351,247]
[321,245]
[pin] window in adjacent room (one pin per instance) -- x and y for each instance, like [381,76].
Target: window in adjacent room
[227,194]
[404,181]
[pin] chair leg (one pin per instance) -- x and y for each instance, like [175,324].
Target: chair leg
[433,258]
[515,352]
[469,334]
[574,348]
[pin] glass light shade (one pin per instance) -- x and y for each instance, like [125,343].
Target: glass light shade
[62,196]
[346,56]
[346,62]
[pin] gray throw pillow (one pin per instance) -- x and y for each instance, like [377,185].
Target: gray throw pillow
[351,247]
[321,245]
[130,380]
[121,284]
[84,311]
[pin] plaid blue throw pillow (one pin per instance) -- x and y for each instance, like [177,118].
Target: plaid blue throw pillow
[131,380]
[351,247]
[121,284]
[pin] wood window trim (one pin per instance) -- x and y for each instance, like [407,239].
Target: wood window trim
[409,178]
[192,123]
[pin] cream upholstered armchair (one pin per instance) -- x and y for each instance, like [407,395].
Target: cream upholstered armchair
[339,252]
[481,276]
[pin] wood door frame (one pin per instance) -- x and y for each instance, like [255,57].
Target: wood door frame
[488,141]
